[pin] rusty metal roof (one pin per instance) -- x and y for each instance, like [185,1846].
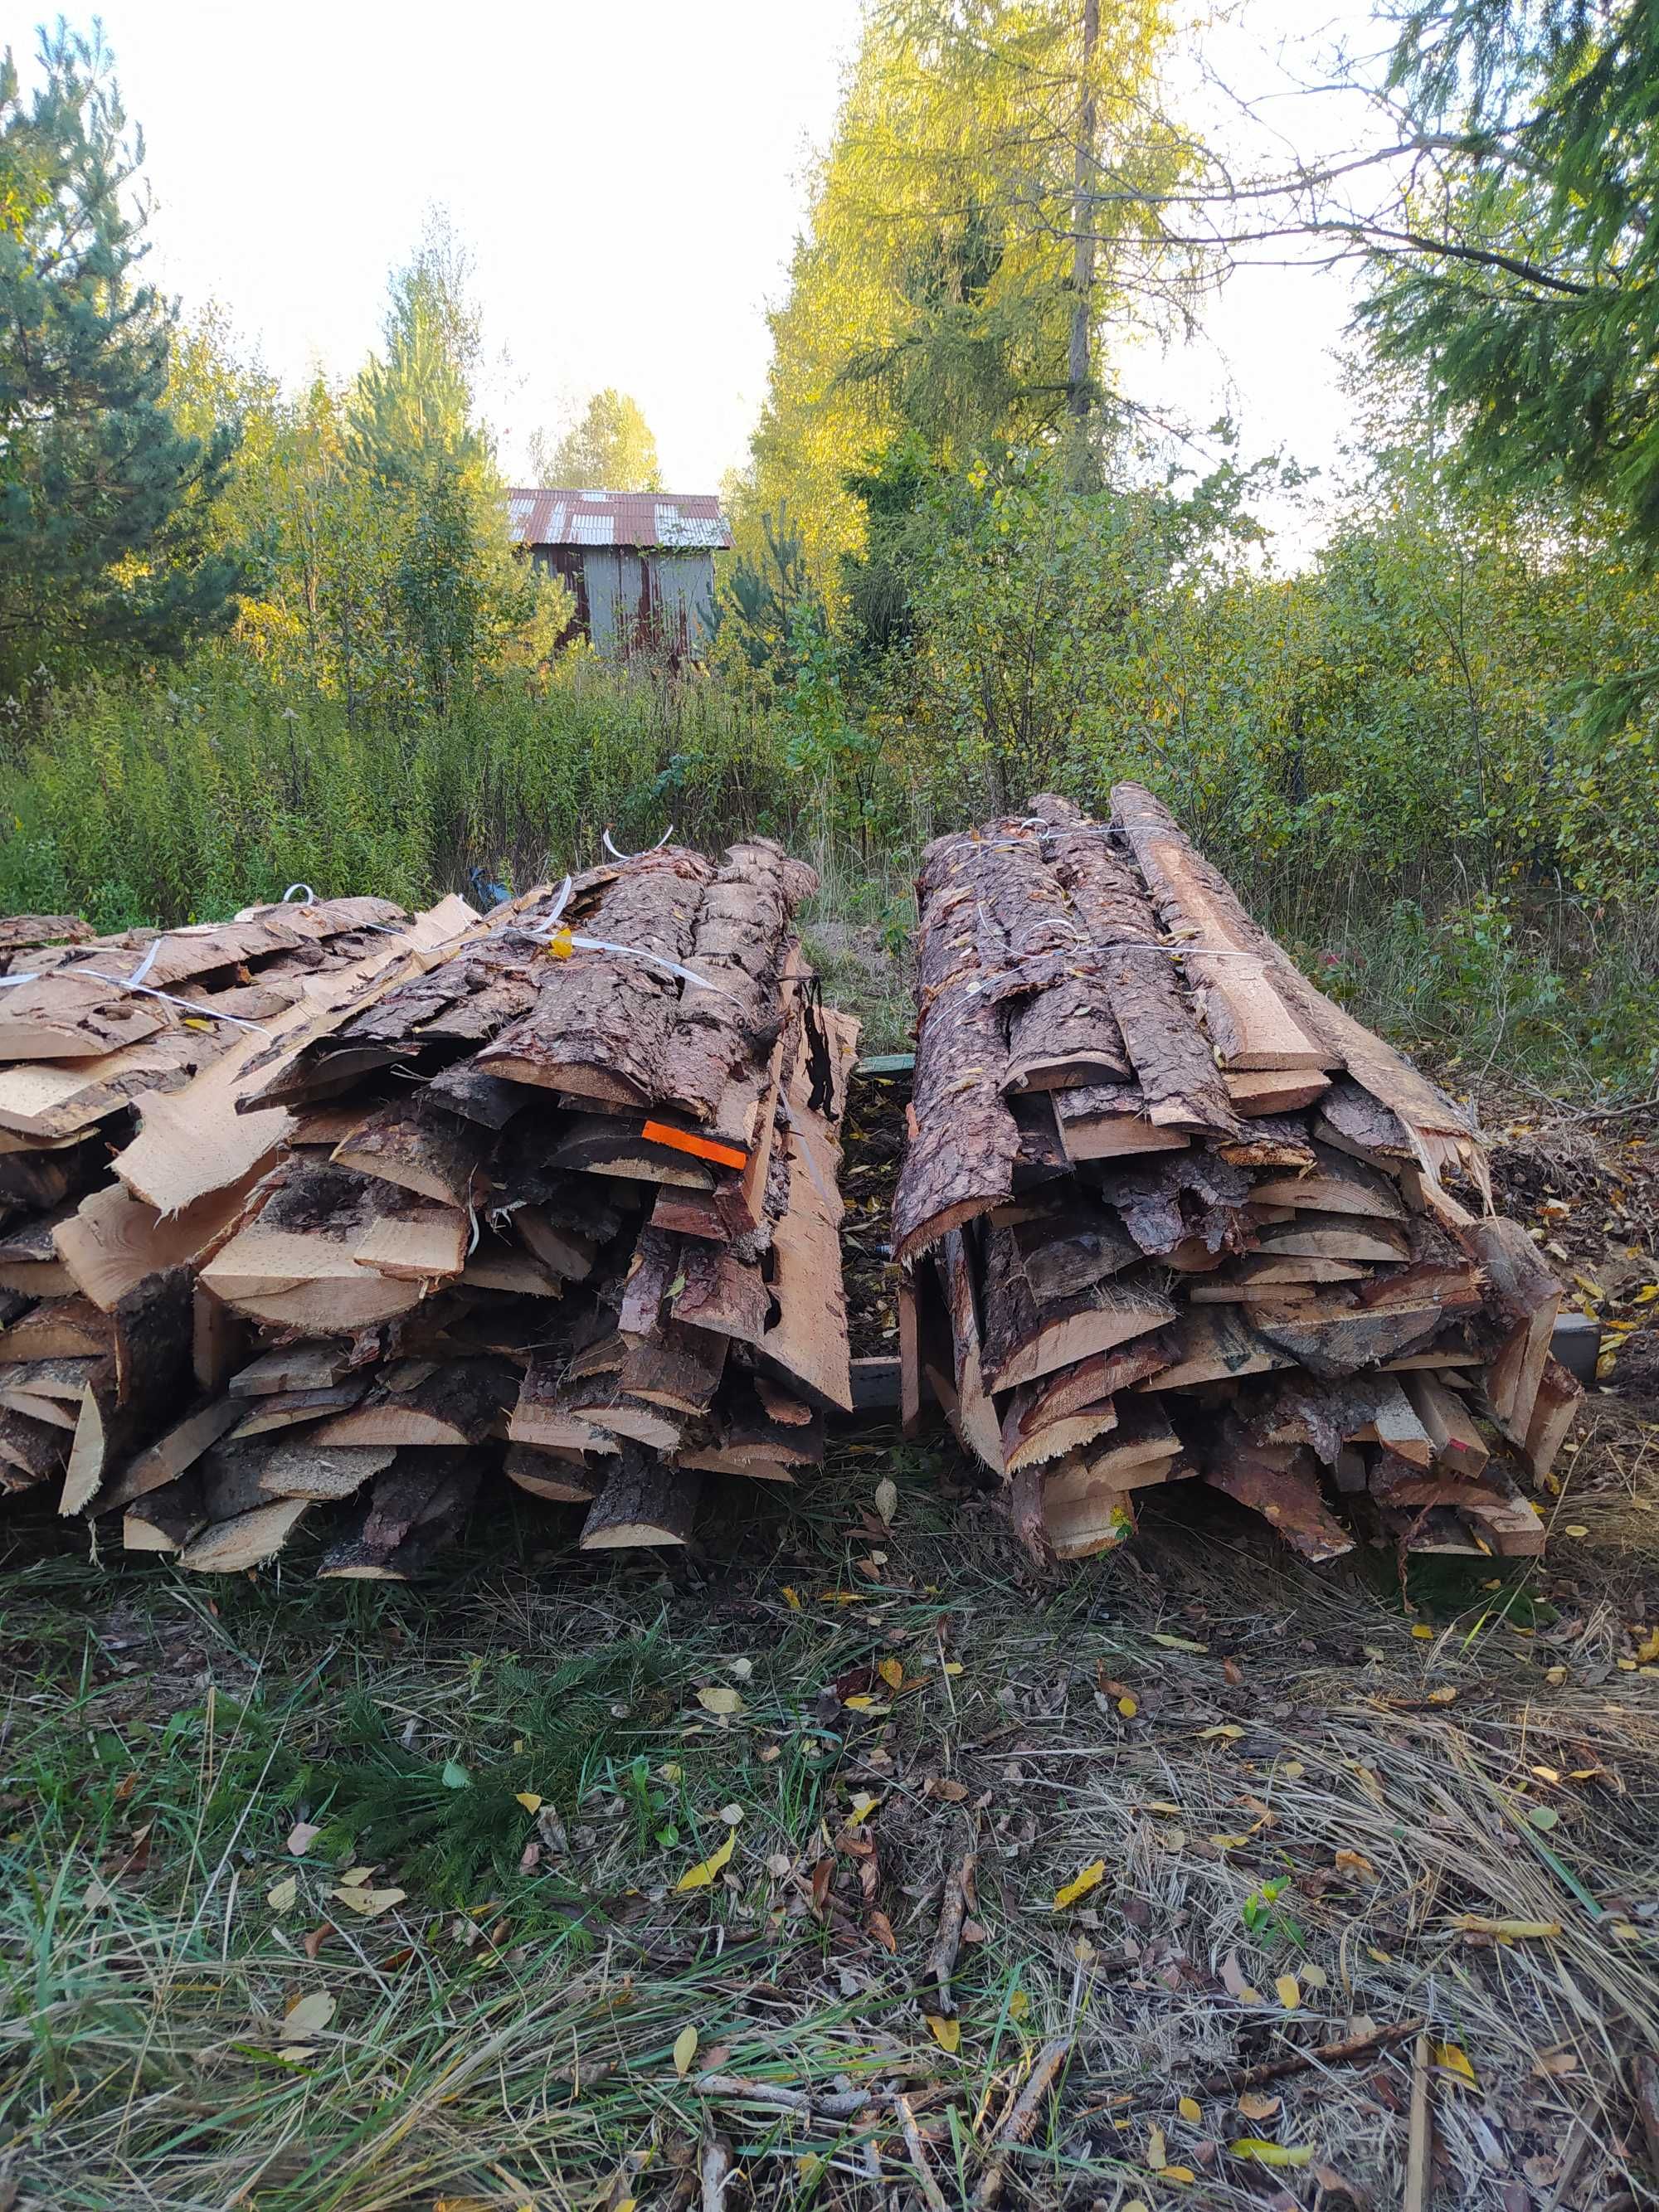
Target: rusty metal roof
[691,521]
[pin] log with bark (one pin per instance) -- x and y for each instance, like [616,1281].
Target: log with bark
[1243,1266]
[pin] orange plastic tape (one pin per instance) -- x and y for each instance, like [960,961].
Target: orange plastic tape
[702,1148]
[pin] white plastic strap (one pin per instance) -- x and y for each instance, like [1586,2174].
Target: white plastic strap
[604,839]
[310,898]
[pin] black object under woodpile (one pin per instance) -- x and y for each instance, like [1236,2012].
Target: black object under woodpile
[560,1198]
[1169,1212]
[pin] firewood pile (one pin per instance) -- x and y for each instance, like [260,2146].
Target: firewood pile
[556,1195]
[112,1053]
[1168,1212]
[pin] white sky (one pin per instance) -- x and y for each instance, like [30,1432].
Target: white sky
[630,179]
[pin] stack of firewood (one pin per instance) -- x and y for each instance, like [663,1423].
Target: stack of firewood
[564,1203]
[1169,1212]
[101,1039]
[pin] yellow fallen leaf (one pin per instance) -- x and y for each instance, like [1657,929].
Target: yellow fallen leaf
[1293,1769]
[1508,1931]
[685,2049]
[953,1667]
[1271,2153]
[529,1800]
[1255,2106]
[1019,2005]
[792,1598]
[1356,1863]
[1555,1675]
[305,2016]
[1577,1528]
[1290,1991]
[947,2033]
[369,1902]
[720,1699]
[1129,1705]
[1453,2060]
[1445,1695]
[1383,1958]
[701,1876]
[1157,2150]
[1423,1633]
[1080,1885]
[1228,1731]
[863,1704]
[1190,2109]
[891,1672]
[1229,1843]
[1161,1805]
[1178,2173]
[862,1807]
[1315,1977]
[1179,1643]
[280,1895]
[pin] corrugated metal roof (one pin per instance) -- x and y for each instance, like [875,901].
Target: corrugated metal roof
[689,521]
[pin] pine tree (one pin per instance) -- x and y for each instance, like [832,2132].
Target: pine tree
[104,555]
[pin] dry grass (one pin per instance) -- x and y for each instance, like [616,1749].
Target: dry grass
[506,2037]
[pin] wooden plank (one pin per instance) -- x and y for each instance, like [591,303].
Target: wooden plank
[114,1241]
[231,1548]
[195,1140]
[972,1416]
[808,1342]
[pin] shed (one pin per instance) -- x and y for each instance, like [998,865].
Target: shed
[640,563]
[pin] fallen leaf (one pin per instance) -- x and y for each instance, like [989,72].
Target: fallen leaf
[1451,2060]
[1445,1695]
[1552,2063]
[882,1929]
[860,1704]
[891,1672]
[1256,2107]
[455,1776]
[313,1943]
[1019,2005]
[1509,1931]
[301,1836]
[951,1792]
[1423,1633]
[685,2049]
[1179,1643]
[1555,1675]
[1315,1977]
[369,1902]
[1357,1862]
[1271,2153]
[701,1876]
[720,1699]
[280,1895]
[1288,1990]
[1543,1816]
[1129,1705]
[1228,1731]
[529,1800]
[1233,1981]
[792,1598]
[887,1500]
[1293,1769]
[1089,1878]
[305,2016]
[1158,2152]
[947,2033]
[1229,1843]
[1190,2110]
[1575,1528]
[731,1813]
[1179,2174]
[862,1807]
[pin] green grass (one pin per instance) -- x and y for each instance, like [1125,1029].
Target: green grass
[503,2034]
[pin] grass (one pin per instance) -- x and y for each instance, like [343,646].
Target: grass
[1202,1715]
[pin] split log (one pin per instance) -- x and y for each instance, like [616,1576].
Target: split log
[411,1144]
[642,1502]
[1026,1337]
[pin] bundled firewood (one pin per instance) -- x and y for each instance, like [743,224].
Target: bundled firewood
[563,1205]
[1169,1212]
[111,1190]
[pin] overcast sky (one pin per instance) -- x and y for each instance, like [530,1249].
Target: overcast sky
[630,179]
